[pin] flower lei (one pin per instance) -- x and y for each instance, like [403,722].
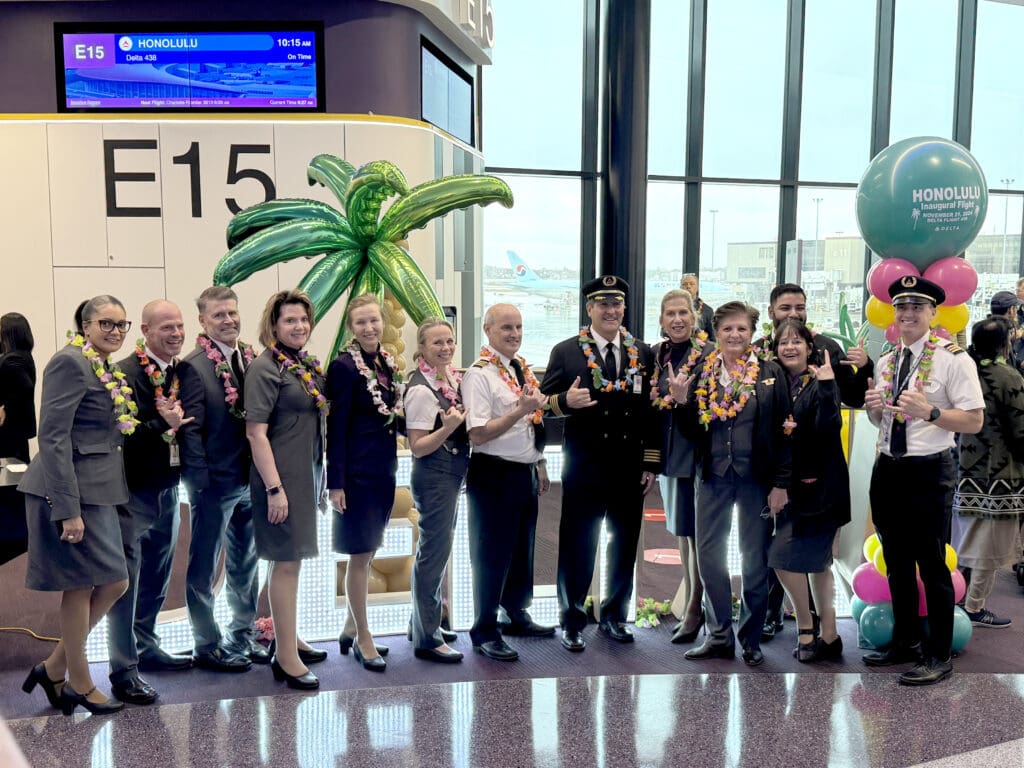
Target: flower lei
[725,404]
[373,386]
[157,378]
[488,355]
[223,369]
[924,368]
[113,380]
[602,384]
[303,368]
[699,340]
[444,383]
[998,360]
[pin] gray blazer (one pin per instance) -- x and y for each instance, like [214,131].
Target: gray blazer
[80,458]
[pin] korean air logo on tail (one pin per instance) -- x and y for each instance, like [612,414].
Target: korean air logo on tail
[521,270]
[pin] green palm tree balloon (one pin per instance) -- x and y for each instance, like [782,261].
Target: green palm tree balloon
[363,252]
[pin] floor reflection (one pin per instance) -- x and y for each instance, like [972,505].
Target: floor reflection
[754,720]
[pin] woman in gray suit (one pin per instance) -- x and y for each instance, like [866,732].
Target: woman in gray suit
[71,492]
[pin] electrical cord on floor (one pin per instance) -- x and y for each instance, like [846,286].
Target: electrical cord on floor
[30,633]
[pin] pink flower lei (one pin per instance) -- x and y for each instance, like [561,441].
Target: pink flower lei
[113,381]
[444,382]
[158,379]
[372,385]
[223,369]
[920,377]
[304,368]
[698,341]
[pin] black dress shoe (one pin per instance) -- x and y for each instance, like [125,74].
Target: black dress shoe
[498,650]
[221,660]
[617,631]
[573,640]
[753,657]
[927,672]
[448,635]
[894,655]
[376,664]
[345,643]
[134,690]
[306,655]
[304,682]
[160,660]
[436,654]
[526,629]
[70,698]
[37,676]
[711,650]
[256,652]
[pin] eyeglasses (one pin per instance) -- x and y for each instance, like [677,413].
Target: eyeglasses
[108,325]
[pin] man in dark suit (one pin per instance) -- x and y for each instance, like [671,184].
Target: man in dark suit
[149,521]
[703,313]
[215,462]
[599,381]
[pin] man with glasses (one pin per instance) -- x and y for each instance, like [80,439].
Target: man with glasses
[149,521]
[702,312]
[928,392]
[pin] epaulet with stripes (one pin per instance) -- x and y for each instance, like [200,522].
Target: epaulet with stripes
[481,363]
[951,346]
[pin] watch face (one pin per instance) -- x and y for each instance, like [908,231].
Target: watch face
[934,414]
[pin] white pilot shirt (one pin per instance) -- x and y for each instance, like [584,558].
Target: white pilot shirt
[421,406]
[486,396]
[952,383]
[602,344]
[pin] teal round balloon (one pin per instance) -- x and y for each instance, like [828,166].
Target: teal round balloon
[962,628]
[921,199]
[877,624]
[857,607]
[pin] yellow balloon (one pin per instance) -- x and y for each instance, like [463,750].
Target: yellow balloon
[879,561]
[879,314]
[951,560]
[871,545]
[954,319]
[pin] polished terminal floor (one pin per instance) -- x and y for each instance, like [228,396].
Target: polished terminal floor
[743,719]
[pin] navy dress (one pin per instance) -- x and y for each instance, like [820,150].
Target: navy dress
[362,453]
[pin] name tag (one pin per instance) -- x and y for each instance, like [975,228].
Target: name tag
[638,385]
[175,454]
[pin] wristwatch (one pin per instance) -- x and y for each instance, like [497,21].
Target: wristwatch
[275,490]
[934,414]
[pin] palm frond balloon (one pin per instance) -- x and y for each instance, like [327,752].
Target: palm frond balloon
[363,252]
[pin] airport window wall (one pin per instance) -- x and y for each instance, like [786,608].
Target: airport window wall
[763,114]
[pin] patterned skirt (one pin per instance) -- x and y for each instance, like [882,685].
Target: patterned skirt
[999,499]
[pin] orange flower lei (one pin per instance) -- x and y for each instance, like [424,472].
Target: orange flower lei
[699,340]
[622,384]
[489,356]
[158,379]
[725,404]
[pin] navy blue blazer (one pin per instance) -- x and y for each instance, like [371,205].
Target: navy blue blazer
[80,455]
[359,439]
[214,449]
[147,456]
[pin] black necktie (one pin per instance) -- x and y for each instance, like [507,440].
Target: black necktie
[611,369]
[239,371]
[169,374]
[517,368]
[898,435]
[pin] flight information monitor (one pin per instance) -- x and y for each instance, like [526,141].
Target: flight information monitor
[180,67]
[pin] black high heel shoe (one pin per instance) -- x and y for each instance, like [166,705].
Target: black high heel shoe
[374,665]
[70,698]
[806,652]
[688,637]
[345,643]
[304,682]
[37,676]
[311,656]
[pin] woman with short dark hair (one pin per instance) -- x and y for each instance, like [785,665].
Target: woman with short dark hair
[17,425]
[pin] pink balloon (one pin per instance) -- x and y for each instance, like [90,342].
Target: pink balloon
[885,273]
[959,585]
[956,276]
[942,333]
[922,600]
[892,333]
[869,585]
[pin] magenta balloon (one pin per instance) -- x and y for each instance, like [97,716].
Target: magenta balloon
[892,333]
[885,273]
[922,601]
[869,585]
[956,276]
[959,585]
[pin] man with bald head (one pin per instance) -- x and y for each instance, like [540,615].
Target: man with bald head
[149,521]
[506,474]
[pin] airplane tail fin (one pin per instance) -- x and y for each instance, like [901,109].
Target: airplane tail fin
[521,271]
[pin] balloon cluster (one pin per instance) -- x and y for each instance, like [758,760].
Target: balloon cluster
[872,602]
[920,204]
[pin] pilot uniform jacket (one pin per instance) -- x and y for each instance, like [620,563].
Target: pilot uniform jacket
[147,456]
[214,448]
[80,446]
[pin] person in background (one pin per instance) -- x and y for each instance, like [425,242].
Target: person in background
[436,425]
[285,409]
[988,504]
[1008,305]
[819,492]
[71,492]
[365,389]
[703,314]
[149,521]
[929,391]
[17,425]
[678,355]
